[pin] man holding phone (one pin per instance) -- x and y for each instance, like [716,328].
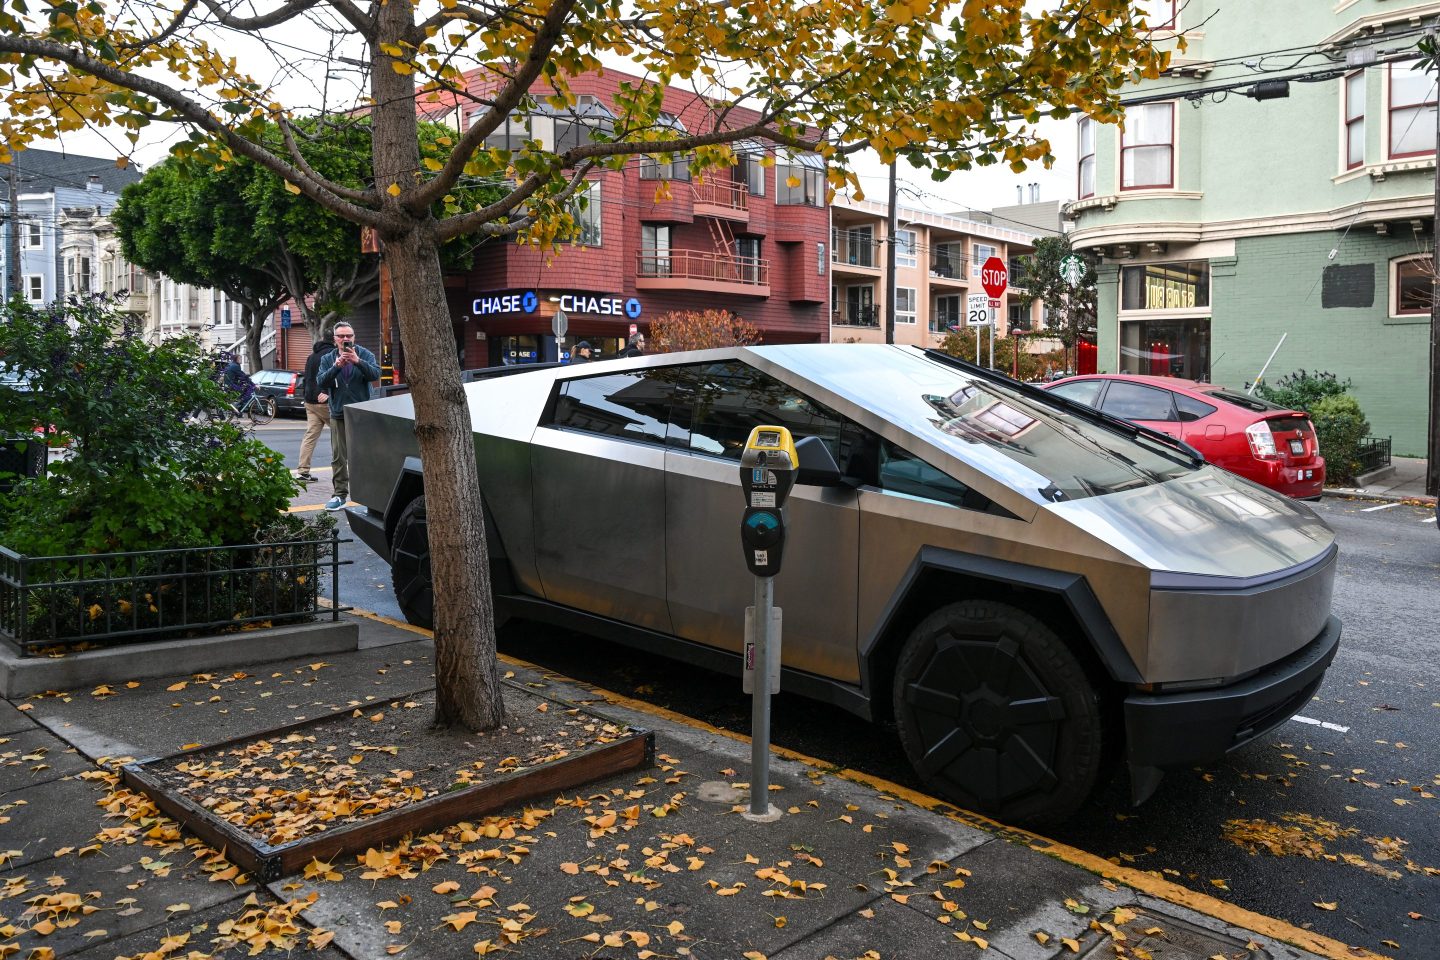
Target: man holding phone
[345,375]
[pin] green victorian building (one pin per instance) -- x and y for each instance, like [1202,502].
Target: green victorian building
[1277,182]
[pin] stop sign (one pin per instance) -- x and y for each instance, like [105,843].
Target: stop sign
[994,277]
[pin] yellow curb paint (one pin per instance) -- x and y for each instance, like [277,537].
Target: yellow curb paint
[1139,880]
[381,618]
[307,508]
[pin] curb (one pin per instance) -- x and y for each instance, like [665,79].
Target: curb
[1360,493]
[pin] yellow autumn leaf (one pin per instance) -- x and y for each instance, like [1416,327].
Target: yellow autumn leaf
[1326,906]
[393,189]
[447,886]
[292,187]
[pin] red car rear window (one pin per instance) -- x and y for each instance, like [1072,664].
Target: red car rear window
[1254,404]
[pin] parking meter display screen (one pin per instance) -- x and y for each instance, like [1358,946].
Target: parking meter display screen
[768,438]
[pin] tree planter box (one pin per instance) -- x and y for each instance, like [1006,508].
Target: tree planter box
[265,862]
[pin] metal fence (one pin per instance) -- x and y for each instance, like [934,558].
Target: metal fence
[125,597]
[1373,453]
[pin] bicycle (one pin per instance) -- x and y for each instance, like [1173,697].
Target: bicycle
[259,408]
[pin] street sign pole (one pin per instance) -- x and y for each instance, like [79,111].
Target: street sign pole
[559,325]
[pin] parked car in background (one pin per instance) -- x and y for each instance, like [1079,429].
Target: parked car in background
[1030,590]
[284,386]
[1260,441]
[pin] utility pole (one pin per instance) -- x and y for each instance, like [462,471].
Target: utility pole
[891,229]
[1432,468]
[12,241]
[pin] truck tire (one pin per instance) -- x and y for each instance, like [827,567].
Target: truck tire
[996,713]
[410,566]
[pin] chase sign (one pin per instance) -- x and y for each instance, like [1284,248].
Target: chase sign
[579,302]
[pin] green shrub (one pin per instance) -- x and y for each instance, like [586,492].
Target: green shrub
[1302,389]
[1340,425]
[141,473]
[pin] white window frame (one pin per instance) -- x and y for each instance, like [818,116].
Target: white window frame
[1393,295]
[1169,107]
[589,229]
[35,287]
[1161,8]
[905,305]
[1086,164]
[655,241]
[980,252]
[1352,123]
[1425,124]
[31,237]
[905,248]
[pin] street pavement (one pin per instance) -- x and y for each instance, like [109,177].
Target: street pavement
[853,868]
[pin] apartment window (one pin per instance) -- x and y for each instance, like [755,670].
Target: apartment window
[30,235]
[948,260]
[1165,286]
[747,257]
[34,288]
[949,311]
[800,179]
[1087,158]
[1147,147]
[981,252]
[1412,286]
[1412,112]
[585,208]
[905,305]
[655,250]
[748,168]
[1354,120]
[1160,14]
[855,246]
[905,248]
[654,168]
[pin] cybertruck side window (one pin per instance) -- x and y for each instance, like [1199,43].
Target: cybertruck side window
[901,472]
[718,405]
[626,406]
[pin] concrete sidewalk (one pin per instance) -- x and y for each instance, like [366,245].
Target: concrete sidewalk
[1405,482]
[654,863]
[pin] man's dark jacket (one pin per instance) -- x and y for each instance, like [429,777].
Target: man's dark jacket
[311,384]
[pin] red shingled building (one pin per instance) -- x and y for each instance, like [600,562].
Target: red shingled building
[745,240]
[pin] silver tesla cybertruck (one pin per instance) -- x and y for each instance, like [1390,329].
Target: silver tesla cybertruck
[1028,589]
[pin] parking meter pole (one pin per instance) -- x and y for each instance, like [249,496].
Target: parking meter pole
[768,467]
[760,701]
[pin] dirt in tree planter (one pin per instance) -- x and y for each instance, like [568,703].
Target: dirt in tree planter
[343,771]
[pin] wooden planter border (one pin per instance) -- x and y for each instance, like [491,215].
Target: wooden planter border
[266,863]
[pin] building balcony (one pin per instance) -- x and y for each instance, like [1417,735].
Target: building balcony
[722,198]
[702,270]
[857,254]
[855,315]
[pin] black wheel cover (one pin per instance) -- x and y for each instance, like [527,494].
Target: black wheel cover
[410,566]
[996,713]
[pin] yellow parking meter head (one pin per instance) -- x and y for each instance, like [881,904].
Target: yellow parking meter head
[767,439]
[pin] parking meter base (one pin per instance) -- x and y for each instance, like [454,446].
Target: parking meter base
[769,816]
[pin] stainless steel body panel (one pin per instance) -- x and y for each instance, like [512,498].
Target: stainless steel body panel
[709,586]
[1193,630]
[599,515]
[894,528]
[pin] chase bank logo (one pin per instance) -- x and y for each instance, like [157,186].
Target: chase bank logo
[632,308]
[530,301]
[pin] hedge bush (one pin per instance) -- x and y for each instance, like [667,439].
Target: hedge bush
[1340,425]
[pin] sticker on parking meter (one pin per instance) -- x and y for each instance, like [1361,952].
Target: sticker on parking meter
[762,558]
[762,498]
[758,475]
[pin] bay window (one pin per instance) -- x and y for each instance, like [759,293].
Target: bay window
[1412,112]
[1354,120]
[1087,158]
[1147,147]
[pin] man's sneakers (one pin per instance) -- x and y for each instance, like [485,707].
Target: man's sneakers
[305,475]
[334,503]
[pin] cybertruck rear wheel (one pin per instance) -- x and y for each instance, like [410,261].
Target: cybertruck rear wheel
[410,566]
[997,714]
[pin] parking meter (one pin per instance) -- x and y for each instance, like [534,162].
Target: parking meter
[767,472]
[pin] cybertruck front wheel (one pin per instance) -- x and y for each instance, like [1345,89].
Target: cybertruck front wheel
[996,713]
[410,566]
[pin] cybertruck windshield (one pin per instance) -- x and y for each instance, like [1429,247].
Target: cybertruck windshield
[994,426]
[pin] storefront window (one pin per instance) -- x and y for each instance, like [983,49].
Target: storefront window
[1166,347]
[1412,287]
[1166,286]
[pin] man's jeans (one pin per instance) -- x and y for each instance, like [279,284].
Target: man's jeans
[339,459]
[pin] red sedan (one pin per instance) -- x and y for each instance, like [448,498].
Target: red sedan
[1260,441]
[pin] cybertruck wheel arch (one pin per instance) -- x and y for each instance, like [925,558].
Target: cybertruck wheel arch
[938,576]
[409,485]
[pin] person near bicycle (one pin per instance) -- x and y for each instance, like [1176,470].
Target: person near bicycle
[235,379]
[345,375]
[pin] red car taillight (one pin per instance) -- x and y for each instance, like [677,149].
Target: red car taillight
[1262,441]
[290,390]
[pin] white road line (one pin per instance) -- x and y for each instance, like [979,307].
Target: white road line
[1428,520]
[1321,723]
[1383,506]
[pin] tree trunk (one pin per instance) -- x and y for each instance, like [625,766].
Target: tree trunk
[467,675]
[254,324]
